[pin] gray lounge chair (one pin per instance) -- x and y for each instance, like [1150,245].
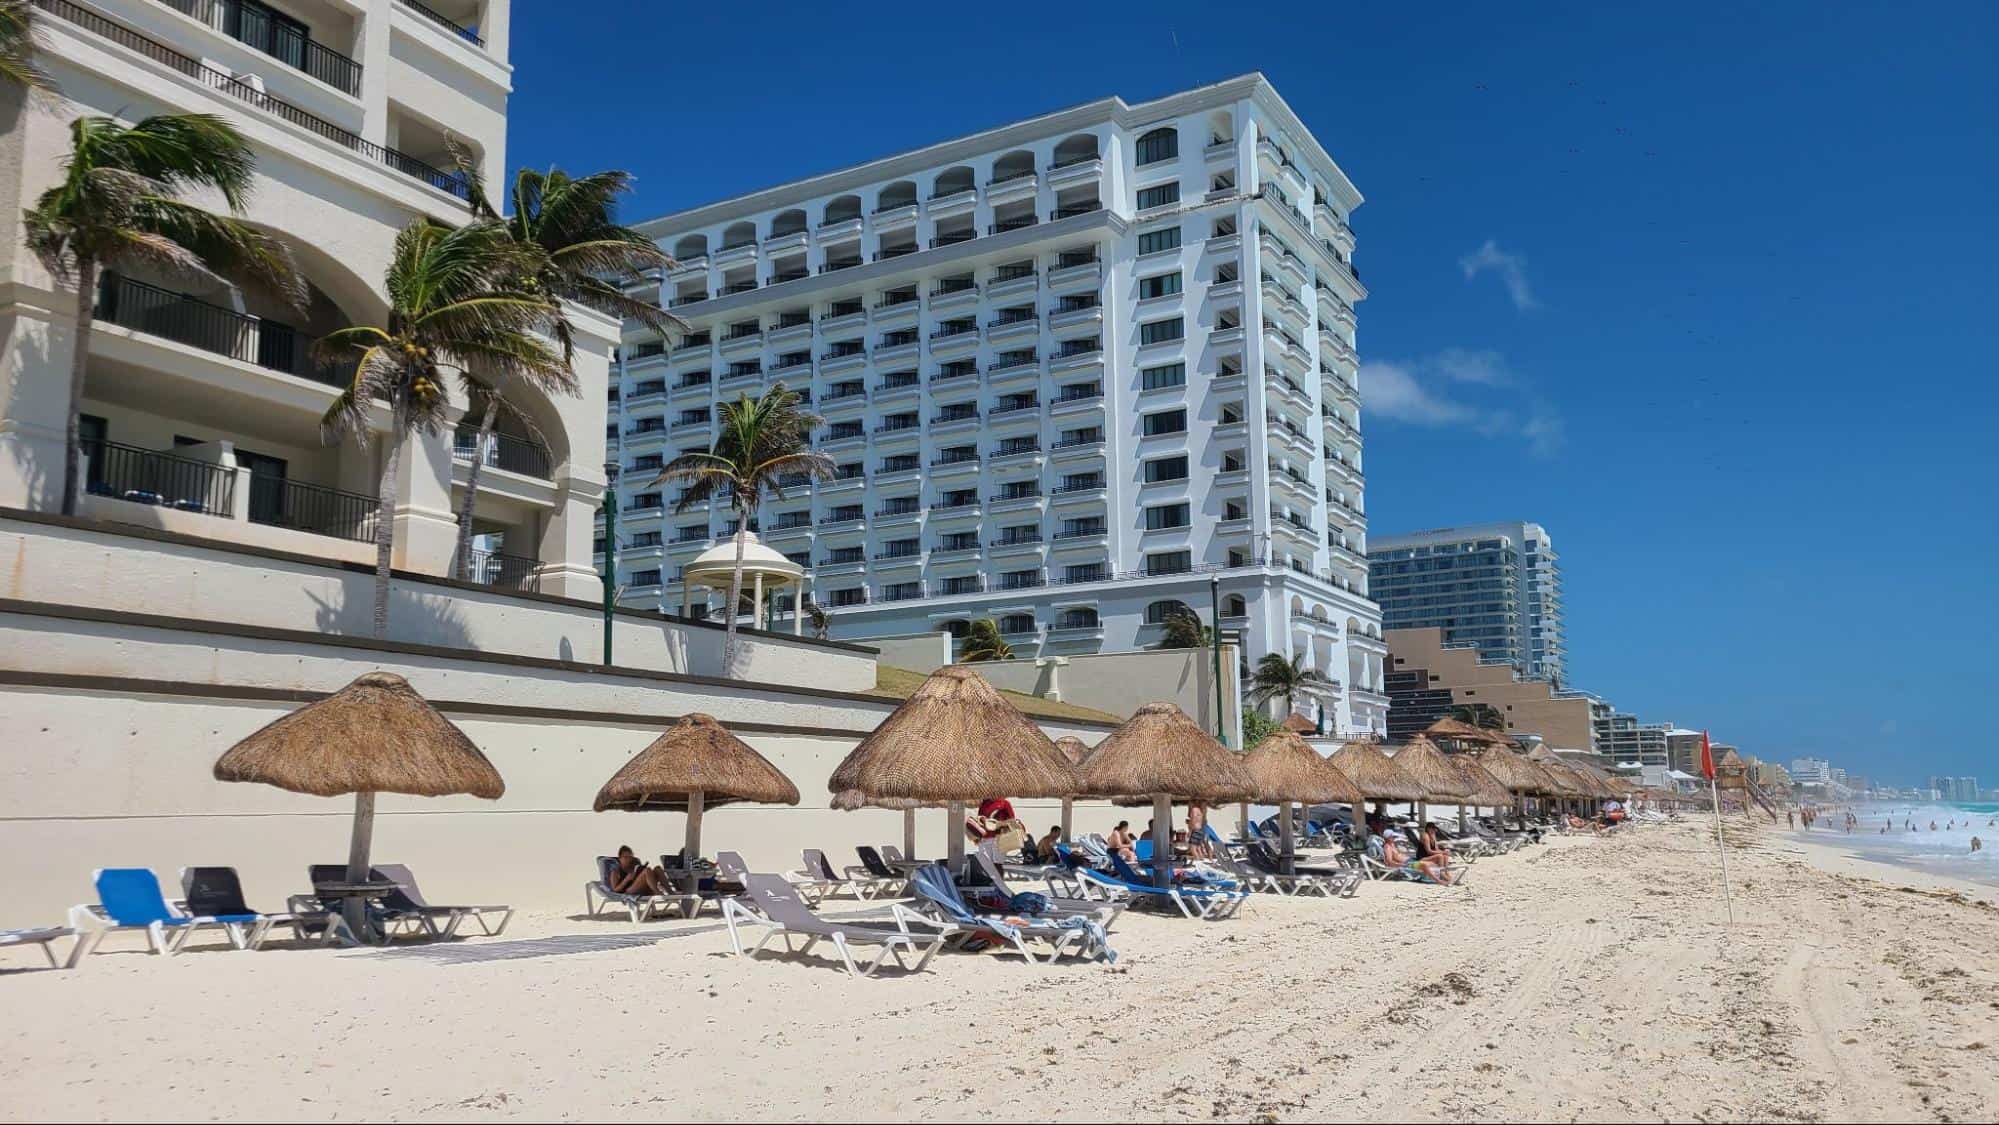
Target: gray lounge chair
[772,904]
[864,886]
[1059,906]
[407,897]
[217,892]
[44,940]
[598,894]
[1268,866]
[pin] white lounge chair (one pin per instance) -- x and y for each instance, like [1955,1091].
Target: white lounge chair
[44,940]
[772,904]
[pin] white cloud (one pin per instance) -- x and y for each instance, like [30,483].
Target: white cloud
[1420,392]
[1511,268]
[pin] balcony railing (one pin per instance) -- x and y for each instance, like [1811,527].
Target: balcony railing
[491,568]
[253,26]
[469,34]
[212,328]
[143,476]
[277,502]
[454,183]
[514,454]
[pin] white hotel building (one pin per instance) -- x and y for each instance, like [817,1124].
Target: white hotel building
[1073,370]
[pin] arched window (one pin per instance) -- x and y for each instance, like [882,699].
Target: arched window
[1158,145]
[901,193]
[1014,623]
[844,208]
[739,234]
[1013,166]
[1082,617]
[692,247]
[1158,612]
[1221,128]
[951,181]
[958,628]
[788,222]
[1235,606]
[1075,150]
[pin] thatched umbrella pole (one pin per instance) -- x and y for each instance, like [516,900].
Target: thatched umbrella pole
[1074,750]
[909,834]
[376,735]
[1288,772]
[954,849]
[1162,840]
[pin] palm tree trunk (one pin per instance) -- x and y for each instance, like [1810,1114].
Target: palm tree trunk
[461,559]
[385,511]
[79,362]
[735,593]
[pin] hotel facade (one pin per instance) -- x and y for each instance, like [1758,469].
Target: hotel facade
[1076,371]
[1493,587]
[202,401]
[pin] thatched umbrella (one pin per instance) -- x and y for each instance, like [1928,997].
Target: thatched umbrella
[376,735]
[1487,790]
[1520,776]
[1458,731]
[1286,770]
[1373,774]
[955,740]
[1571,785]
[1162,754]
[1074,750]
[695,766]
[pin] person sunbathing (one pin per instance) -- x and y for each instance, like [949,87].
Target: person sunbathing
[631,877]
[1431,845]
[1120,842]
[1045,849]
[1395,855]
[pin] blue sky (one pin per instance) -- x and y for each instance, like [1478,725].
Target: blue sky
[1708,294]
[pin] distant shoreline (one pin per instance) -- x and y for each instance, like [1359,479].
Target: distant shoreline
[1832,856]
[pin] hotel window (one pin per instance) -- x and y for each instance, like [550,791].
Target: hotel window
[1164,469]
[1164,376]
[1159,195]
[1160,285]
[1166,422]
[1159,613]
[1158,145]
[1169,562]
[1084,572]
[853,595]
[1158,241]
[1162,331]
[645,578]
[1077,619]
[1166,517]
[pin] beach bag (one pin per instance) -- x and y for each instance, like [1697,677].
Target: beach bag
[1028,902]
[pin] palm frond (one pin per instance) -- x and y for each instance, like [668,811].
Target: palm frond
[226,246]
[20,40]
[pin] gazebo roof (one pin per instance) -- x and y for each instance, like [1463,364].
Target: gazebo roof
[714,566]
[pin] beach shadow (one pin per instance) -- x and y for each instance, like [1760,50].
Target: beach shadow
[526,949]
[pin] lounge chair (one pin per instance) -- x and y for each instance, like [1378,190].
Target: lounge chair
[597,894]
[773,904]
[863,886]
[893,856]
[129,898]
[44,939]
[1377,868]
[217,892]
[1074,935]
[407,897]
[1207,903]
[388,923]
[1060,902]
[889,882]
[1303,878]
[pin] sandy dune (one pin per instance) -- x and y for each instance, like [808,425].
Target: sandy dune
[1584,980]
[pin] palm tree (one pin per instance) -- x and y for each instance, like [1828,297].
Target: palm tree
[761,441]
[118,204]
[586,256]
[20,38]
[983,642]
[822,623]
[1277,675]
[1484,716]
[1183,629]
[455,305]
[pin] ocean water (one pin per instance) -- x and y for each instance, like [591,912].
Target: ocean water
[1910,842]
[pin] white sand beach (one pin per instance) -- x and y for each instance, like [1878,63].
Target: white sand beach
[1583,980]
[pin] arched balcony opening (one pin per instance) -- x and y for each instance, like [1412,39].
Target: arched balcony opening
[788,222]
[739,234]
[901,193]
[951,181]
[1012,166]
[690,247]
[843,209]
[1075,150]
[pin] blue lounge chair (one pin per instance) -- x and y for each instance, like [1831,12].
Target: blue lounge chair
[1076,935]
[1186,872]
[129,898]
[1205,902]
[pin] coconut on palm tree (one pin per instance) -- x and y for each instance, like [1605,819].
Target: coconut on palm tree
[1277,676]
[762,441]
[586,257]
[983,642]
[19,40]
[119,205]
[455,309]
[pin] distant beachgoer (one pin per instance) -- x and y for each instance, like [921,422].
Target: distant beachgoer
[1977,844]
[1197,832]
[1933,826]
[996,808]
[631,877]
[1045,849]
[1790,819]
[1395,855]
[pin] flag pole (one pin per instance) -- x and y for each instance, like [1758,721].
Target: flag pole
[1714,798]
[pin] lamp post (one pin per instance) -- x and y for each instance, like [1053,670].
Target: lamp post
[610,553]
[1215,609]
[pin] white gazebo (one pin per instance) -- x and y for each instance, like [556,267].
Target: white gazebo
[763,570]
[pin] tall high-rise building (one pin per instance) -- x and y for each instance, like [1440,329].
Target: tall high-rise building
[1494,587]
[1076,372]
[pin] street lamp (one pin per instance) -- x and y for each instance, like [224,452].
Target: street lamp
[610,553]
[1215,609]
